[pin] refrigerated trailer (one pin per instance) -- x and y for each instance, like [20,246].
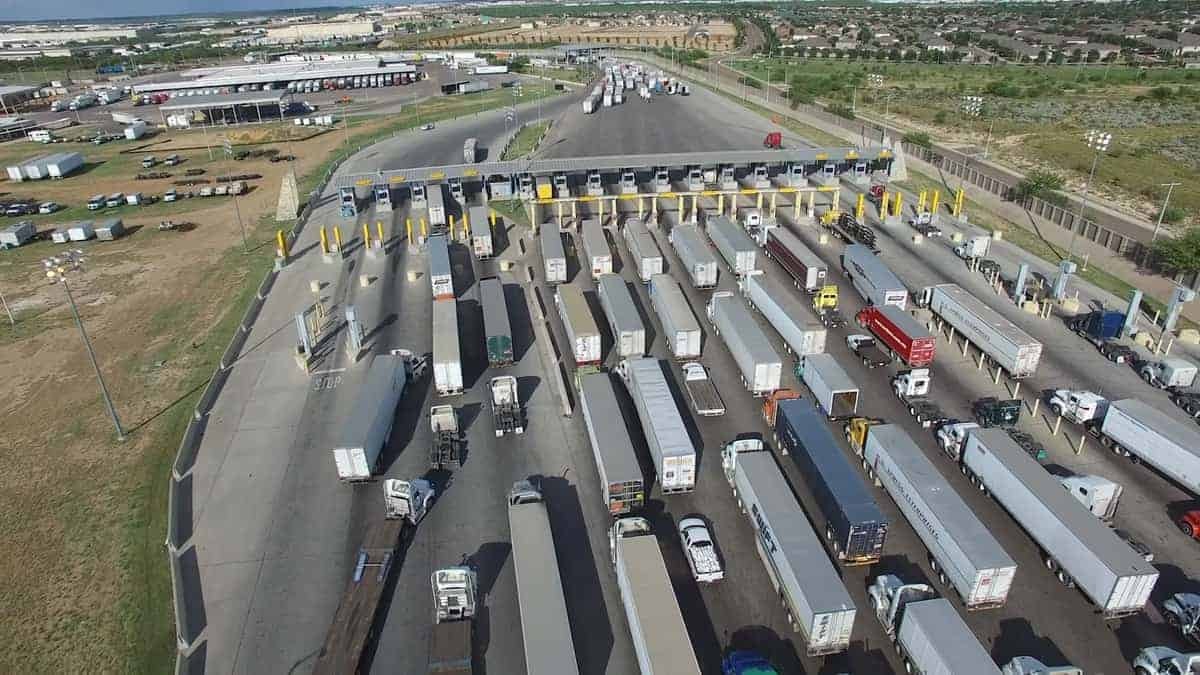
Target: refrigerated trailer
[647,259]
[734,245]
[1139,430]
[447,359]
[482,244]
[1081,549]
[666,436]
[441,278]
[871,278]
[806,268]
[680,328]
[435,204]
[497,330]
[366,430]
[802,334]
[903,335]
[697,258]
[621,482]
[997,337]
[831,387]
[554,257]
[583,335]
[595,247]
[628,331]
[760,365]
[817,602]
[854,525]
[962,551]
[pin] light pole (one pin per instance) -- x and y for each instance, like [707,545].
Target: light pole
[57,268]
[1099,141]
[972,106]
[1161,214]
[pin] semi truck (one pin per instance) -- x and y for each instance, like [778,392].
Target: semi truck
[621,482]
[817,602]
[962,551]
[470,148]
[706,401]
[660,638]
[629,333]
[368,426]
[680,328]
[482,244]
[931,638]
[447,359]
[582,333]
[1077,547]
[545,626]
[455,592]
[496,327]
[997,337]
[831,387]
[694,253]
[554,257]
[1099,326]
[1139,430]
[903,335]
[872,279]
[441,278]
[506,405]
[784,311]
[435,204]
[806,268]
[854,526]
[760,366]
[666,436]
[595,247]
[734,245]
[647,259]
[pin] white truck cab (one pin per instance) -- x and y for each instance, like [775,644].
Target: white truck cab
[953,435]
[1078,406]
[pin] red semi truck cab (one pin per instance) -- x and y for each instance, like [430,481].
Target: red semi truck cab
[773,140]
[903,334]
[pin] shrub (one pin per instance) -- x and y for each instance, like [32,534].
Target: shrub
[917,138]
[1038,183]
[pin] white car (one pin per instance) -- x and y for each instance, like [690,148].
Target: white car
[700,551]
[427,126]
[48,207]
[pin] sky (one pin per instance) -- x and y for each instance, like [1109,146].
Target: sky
[35,10]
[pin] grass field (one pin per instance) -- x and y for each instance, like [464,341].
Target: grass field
[526,141]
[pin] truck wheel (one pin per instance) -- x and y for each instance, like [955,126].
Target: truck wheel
[1187,529]
[933,564]
[1050,564]
[1140,671]
[1172,619]
[1065,578]
[908,666]
[1057,409]
[942,578]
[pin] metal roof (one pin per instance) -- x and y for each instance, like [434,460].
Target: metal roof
[274,97]
[296,75]
[10,89]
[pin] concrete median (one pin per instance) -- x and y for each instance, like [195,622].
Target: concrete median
[235,346]
[209,397]
[186,455]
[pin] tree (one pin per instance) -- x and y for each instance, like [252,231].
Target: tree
[917,138]
[1179,254]
[1038,183]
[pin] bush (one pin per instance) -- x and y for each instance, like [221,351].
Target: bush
[1003,88]
[1174,215]
[840,110]
[917,138]
[1038,183]
[940,117]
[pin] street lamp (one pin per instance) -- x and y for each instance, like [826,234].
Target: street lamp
[972,106]
[1163,212]
[1099,141]
[57,269]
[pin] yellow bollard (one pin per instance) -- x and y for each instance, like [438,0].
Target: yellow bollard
[812,204]
[558,210]
[337,238]
[774,195]
[922,197]
[758,202]
[654,207]
[959,197]
[641,207]
[324,242]
[408,229]
[379,231]
[860,208]
[493,215]
[366,236]
[897,204]
[933,204]
[721,203]
[600,212]
[679,210]
[424,232]
[451,227]
[796,203]
[280,244]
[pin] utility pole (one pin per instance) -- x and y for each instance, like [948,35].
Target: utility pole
[1098,141]
[1163,212]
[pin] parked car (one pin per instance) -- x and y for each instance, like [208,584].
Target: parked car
[1189,523]
[700,551]
[18,210]
[427,126]
[1137,546]
[48,207]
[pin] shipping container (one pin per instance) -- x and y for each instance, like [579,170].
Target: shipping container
[595,248]
[553,255]
[583,336]
[818,604]
[987,329]
[647,259]
[901,333]
[697,258]
[962,549]
[936,641]
[872,279]
[759,363]
[831,387]
[629,333]
[366,429]
[447,360]
[680,328]
[441,280]
[496,327]
[734,245]
[1156,438]
[481,233]
[854,525]
[1080,547]
[435,204]
[802,334]
[621,482]
[666,436]
[806,268]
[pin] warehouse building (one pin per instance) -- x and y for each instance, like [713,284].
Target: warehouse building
[320,32]
[227,109]
[14,94]
[273,76]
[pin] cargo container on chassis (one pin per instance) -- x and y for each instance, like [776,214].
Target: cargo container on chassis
[872,279]
[647,259]
[802,334]
[629,333]
[595,247]
[734,245]
[901,333]
[554,258]
[680,328]
[962,551]
[441,280]
[481,233]
[805,267]
[497,331]
[621,482]
[1003,342]
[447,359]
[817,602]
[365,431]
[666,436]
[697,258]
[583,336]
[831,387]
[854,525]
[759,363]
[435,203]
[1156,438]
[1077,545]
[936,641]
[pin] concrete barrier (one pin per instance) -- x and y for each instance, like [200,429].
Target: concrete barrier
[186,455]
[267,282]
[179,516]
[252,314]
[235,348]
[209,397]
[183,639]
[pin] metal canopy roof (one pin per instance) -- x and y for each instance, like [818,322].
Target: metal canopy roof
[610,163]
[274,97]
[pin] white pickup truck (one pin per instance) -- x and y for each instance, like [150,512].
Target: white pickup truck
[701,390]
[701,553]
